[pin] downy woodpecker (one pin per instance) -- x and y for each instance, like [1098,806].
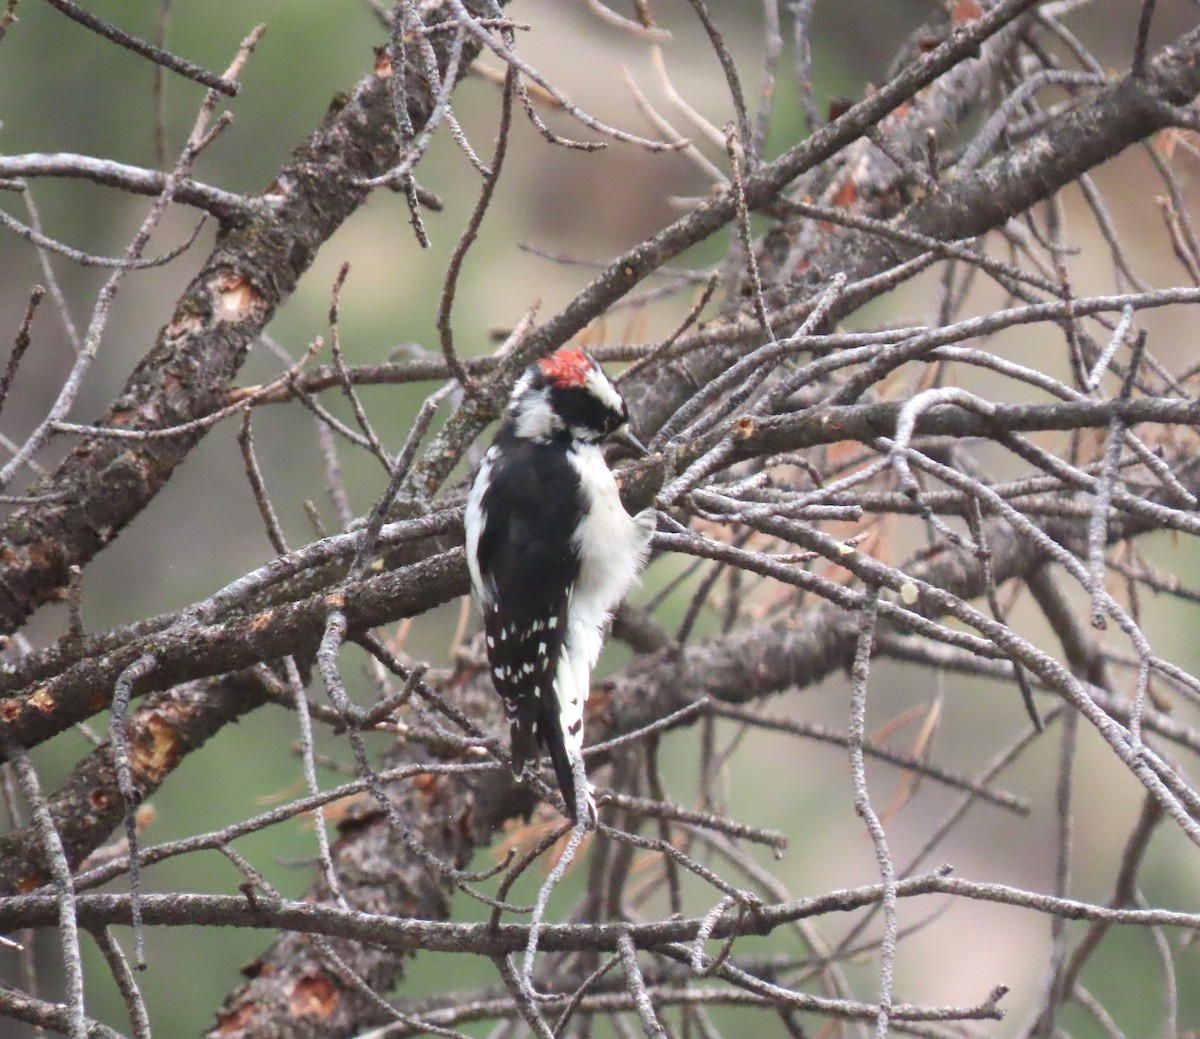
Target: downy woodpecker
[552,551]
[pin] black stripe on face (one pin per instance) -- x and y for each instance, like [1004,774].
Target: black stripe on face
[582,409]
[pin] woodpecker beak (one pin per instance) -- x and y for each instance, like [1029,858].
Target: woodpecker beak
[623,436]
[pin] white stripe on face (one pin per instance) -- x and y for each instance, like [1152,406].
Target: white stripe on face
[536,418]
[598,384]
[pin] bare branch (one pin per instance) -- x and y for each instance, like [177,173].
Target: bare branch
[224,84]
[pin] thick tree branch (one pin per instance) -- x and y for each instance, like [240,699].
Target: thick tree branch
[410,933]
[190,650]
[88,806]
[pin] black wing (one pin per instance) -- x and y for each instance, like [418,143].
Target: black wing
[529,564]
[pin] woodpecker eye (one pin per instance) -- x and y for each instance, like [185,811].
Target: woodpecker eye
[583,410]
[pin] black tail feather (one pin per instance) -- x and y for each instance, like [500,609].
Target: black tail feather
[550,730]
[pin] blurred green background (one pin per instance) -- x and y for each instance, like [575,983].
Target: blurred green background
[63,89]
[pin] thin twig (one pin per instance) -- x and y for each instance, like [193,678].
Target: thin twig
[21,343]
[64,887]
[225,84]
[119,741]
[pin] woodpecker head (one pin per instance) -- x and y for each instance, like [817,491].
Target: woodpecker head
[568,394]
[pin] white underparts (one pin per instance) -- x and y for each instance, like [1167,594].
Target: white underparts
[612,547]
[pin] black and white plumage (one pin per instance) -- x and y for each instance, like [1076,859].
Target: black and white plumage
[552,551]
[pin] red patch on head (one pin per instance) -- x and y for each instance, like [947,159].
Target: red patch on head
[566,367]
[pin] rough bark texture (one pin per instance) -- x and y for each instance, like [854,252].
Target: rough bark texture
[451,816]
[190,650]
[88,807]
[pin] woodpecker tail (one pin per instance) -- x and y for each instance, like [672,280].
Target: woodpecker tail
[564,772]
[524,744]
[565,765]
